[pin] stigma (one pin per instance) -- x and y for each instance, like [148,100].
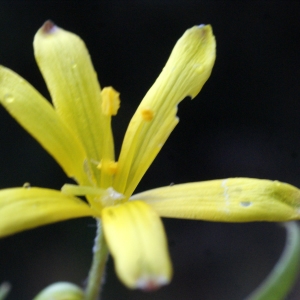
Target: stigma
[108,166]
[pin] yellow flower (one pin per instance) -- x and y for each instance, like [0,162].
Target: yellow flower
[76,131]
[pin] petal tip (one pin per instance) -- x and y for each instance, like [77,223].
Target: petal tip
[151,284]
[49,27]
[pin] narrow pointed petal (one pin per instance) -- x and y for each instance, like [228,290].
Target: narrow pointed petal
[226,200]
[137,242]
[186,71]
[39,118]
[72,82]
[26,208]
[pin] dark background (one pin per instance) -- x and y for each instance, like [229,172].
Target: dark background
[245,122]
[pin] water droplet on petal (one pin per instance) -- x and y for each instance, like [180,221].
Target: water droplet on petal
[26,185]
[245,203]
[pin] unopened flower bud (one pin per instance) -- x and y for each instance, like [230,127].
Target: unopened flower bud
[61,291]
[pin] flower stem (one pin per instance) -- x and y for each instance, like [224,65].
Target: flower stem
[281,279]
[4,290]
[96,274]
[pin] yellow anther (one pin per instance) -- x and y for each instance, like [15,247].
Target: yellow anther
[109,167]
[147,114]
[110,101]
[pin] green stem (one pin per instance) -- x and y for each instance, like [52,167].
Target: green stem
[4,290]
[282,277]
[96,274]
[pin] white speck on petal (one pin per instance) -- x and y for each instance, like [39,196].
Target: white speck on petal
[226,194]
[111,197]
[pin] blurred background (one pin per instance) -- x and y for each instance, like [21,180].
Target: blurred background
[245,122]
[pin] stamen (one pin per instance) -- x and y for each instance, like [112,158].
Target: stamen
[80,190]
[109,167]
[110,101]
[147,114]
[88,171]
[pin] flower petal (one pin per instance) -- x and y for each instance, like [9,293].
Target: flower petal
[39,118]
[137,241]
[26,208]
[72,82]
[186,71]
[226,200]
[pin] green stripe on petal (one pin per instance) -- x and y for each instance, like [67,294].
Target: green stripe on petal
[186,71]
[39,118]
[226,200]
[72,82]
[137,242]
[26,208]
